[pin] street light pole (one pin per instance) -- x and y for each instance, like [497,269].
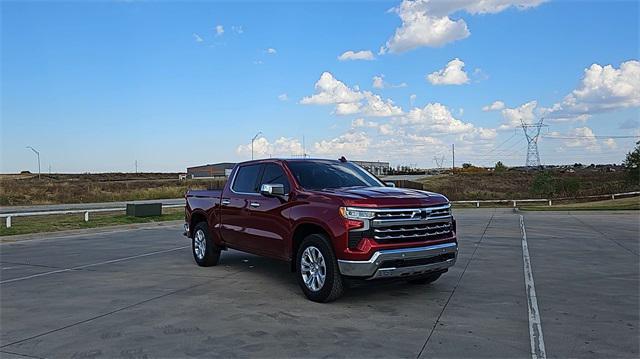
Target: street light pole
[37,154]
[252,140]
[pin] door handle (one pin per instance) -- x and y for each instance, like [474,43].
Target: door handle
[254,204]
[225,201]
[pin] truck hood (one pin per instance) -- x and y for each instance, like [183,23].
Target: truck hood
[384,197]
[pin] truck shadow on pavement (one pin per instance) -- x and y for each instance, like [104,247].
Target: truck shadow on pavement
[276,275]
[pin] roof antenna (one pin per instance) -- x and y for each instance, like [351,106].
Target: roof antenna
[342,159]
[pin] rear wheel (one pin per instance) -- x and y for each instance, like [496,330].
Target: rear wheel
[317,269]
[205,252]
[426,279]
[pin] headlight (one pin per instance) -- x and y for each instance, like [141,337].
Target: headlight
[356,213]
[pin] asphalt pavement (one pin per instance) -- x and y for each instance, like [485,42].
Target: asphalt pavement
[138,293]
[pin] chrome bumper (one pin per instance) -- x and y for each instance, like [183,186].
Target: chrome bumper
[371,269]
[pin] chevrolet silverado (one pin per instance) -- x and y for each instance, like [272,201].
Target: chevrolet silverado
[331,219]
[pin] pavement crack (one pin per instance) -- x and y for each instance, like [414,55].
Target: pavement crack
[444,307]
[83,267]
[603,235]
[42,266]
[114,311]
[20,354]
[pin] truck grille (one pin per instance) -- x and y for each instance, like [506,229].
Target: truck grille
[398,225]
[412,224]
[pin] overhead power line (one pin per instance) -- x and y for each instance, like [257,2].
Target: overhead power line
[502,143]
[577,137]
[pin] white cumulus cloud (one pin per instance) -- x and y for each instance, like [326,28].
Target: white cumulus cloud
[344,145]
[602,89]
[378,81]
[356,55]
[436,118]
[329,90]
[283,97]
[583,137]
[219,30]
[495,106]
[513,116]
[610,143]
[349,101]
[452,74]
[412,99]
[271,51]
[428,22]
[361,122]
[262,147]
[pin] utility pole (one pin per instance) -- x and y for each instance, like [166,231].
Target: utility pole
[304,148]
[252,140]
[532,132]
[136,166]
[453,157]
[37,154]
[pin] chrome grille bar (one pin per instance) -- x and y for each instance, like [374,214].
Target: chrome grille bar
[405,236]
[407,229]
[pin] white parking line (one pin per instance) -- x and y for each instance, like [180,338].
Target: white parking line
[535,324]
[91,265]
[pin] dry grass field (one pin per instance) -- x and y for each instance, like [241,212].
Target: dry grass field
[87,188]
[520,184]
[463,185]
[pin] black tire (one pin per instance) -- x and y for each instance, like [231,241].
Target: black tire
[426,279]
[211,251]
[333,286]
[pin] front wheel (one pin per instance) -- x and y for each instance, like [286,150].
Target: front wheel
[317,270]
[205,252]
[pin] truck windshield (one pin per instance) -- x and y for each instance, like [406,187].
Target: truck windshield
[321,175]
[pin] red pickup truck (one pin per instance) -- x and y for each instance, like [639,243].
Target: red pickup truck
[331,219]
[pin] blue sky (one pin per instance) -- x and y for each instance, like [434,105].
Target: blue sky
[96,86]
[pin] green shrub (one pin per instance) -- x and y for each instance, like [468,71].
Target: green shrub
[543,185]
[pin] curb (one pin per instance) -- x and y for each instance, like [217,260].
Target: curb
[75,232]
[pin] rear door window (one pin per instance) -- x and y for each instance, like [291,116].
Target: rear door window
[246,180]
[274,174]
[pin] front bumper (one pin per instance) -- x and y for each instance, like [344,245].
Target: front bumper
[403,262]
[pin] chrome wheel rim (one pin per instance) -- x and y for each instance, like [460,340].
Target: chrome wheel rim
[313,268]
[199,244]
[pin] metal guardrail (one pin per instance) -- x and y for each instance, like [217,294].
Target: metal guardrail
[515,201]
[549,201]
[86,212]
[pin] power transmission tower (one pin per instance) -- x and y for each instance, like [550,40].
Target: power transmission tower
[532,132]
[439,161]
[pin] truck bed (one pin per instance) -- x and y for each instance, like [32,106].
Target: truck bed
[203,199]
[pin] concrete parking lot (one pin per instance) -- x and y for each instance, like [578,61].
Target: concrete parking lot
[138,293]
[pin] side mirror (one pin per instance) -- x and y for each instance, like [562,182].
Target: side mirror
[389,184]
[272,190]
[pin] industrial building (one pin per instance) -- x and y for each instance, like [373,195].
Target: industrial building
[377,168]
[222,169]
